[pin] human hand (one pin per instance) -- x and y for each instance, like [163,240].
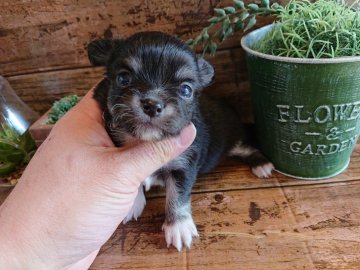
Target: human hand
[75,192]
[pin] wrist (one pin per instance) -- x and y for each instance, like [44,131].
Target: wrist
[13,256]
[17,245]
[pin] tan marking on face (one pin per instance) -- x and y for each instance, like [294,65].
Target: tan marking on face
[134,63]
[184,73]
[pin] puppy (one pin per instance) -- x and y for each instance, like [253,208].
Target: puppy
[151,91]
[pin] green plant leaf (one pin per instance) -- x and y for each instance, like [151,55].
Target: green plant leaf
[226,24]
[190,42]
[8,133]
[238,25]
[26,142]
[10,152]
[6,168]
[15,149]
[265,3]
[16,157]
[205,36]
[6,145]
[197,39]
[219,12]
[253,7]
[314,29]
[225,29]
[214,20]
[276,6]
[239,4]
[61,107]
[228,32]
[230,10]
[251,23]
[212,48]
[244,15]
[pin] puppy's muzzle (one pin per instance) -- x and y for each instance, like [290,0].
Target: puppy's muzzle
[152,107]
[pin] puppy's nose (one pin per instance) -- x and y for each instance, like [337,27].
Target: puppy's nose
[152,107]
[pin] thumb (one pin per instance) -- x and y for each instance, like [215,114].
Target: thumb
[145,158]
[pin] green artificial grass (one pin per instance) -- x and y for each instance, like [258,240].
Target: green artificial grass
[61,107]
[15,149]
[303,29]
[323,29]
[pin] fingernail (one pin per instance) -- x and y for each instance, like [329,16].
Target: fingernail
[187,135]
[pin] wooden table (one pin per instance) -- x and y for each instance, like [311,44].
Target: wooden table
[249,223]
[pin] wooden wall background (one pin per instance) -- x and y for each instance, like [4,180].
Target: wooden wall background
[43,43]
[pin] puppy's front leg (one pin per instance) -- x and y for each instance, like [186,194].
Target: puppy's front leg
[138,206]
[179,226]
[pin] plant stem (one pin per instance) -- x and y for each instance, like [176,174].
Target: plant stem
[230,20]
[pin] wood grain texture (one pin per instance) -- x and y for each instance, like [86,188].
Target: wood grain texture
[39,90]
[244,222]
[46,35]
[4,192]
[43,43]
[232,174]
[249,223]
[302,227]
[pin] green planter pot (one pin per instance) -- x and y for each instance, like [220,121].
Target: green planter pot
[306,110]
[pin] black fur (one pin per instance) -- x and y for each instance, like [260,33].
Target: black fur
[158,58]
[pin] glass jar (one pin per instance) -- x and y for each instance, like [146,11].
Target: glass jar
[16,144]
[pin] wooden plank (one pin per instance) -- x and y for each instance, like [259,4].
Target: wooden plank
[245,223]
[39,90]
[47,35]
[4,192]
[303,227]
[232,174]
[299,227]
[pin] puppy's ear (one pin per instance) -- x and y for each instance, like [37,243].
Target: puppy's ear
[207,71]
[100,50]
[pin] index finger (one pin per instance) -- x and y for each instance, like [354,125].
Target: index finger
[89,106]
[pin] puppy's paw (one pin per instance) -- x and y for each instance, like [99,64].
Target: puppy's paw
[263,171]
[137,207]
[180,233]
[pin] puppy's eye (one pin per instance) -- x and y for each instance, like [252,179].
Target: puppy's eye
[185,91]
[123,78]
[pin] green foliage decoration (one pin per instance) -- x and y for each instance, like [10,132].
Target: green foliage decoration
[60,107]
[322,29]
[15,149]
[303,29]
[229,20]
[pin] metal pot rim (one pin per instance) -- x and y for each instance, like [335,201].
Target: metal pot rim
[245,46]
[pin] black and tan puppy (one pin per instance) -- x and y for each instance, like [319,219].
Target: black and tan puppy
[152,90]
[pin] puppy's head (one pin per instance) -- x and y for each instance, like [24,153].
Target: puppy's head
[154,81]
